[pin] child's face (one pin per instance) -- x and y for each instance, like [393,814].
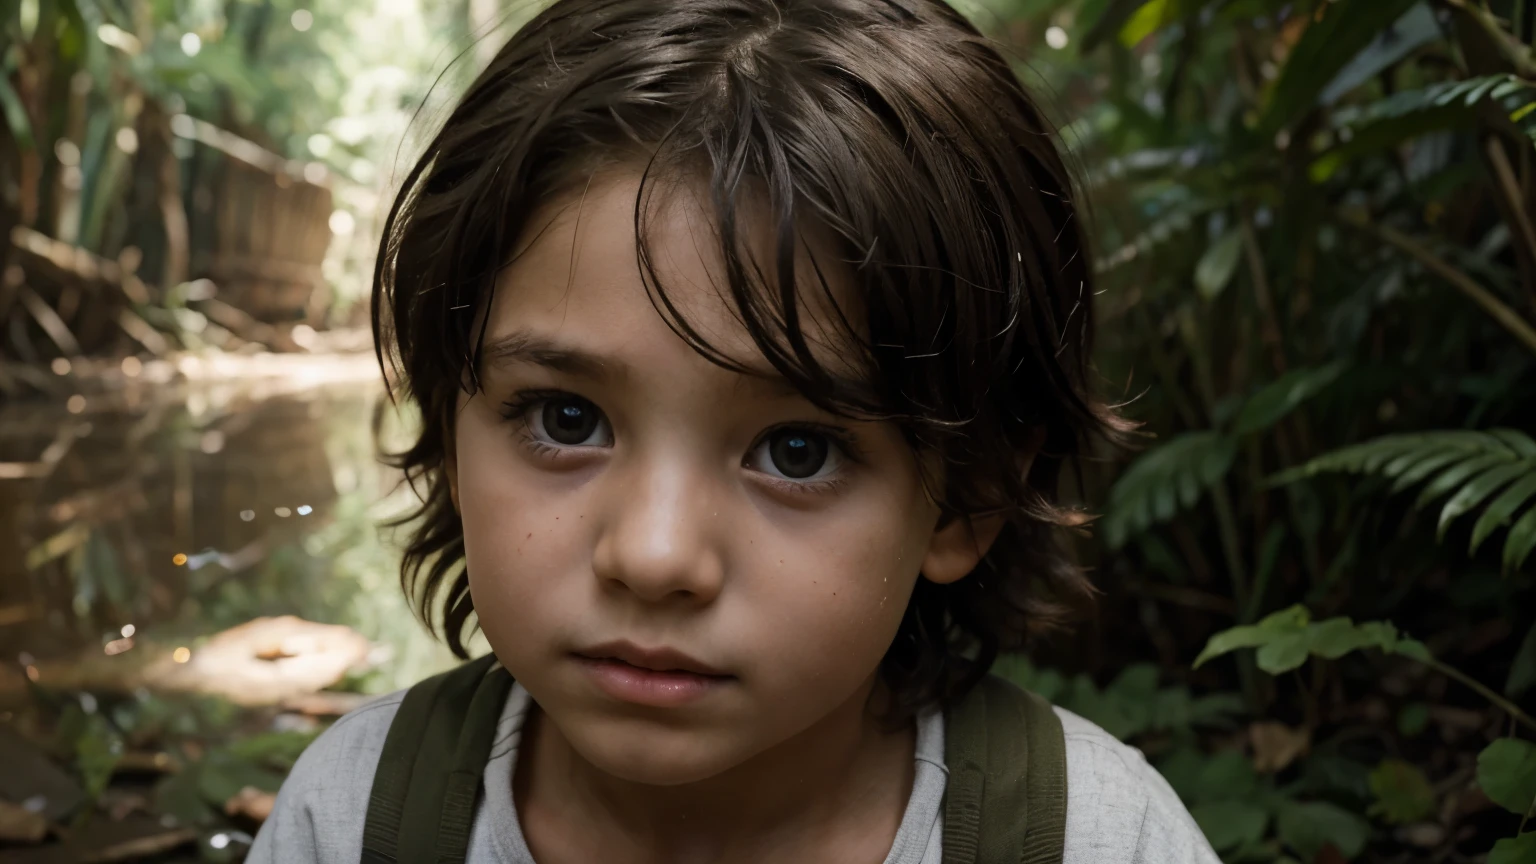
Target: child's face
[616,487]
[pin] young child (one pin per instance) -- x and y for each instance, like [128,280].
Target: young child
[750,338]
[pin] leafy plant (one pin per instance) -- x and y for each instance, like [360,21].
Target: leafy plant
[1403,794]
[1131,705]
[1471,467]
[1165,480]
[1287,638]
[1506,769]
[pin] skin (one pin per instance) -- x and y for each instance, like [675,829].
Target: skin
[673,526]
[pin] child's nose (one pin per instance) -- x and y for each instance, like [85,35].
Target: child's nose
[659,542]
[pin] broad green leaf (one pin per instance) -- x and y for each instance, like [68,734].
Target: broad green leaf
[1286,639]
[1324,49]
[1413,649]
[1417,27]
[1282,396]
[1275,625]
[1231,640]
[1522,673]
[1402,792]
[1225,776]
[1336,637]
[1229,824]
[178,796]
[1308,828]
[1506,771]
[1154,15]
[97,752]
[1514,850]
[1285,652]
[1217,266]
[1503,509]
[1181,767]
[221,775]
[1109,23]
[272,749]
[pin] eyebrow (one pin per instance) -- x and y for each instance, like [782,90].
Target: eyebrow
[522,346]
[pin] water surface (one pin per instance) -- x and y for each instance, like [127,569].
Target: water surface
[169,509]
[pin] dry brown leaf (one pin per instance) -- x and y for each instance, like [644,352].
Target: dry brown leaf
[251,803]
[20,825]
[1276,745]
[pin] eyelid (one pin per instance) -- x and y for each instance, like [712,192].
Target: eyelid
[841,438]
[844,451]
[519,408]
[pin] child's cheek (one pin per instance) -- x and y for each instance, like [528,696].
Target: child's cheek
[524,536]
[839,594]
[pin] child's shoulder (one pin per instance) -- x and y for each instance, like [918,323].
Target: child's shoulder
[321,808]
[1119,808]
[346,754]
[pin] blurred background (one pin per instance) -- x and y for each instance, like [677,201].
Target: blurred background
[1316,229]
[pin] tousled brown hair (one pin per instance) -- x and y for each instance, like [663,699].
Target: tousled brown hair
[894,125]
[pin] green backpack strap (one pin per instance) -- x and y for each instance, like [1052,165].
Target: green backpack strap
[423,799]
[1006,798]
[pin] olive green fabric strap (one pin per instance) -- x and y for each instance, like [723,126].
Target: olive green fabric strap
[423,798]
[1006,798]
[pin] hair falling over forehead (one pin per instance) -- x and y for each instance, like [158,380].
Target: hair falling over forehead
[897,130]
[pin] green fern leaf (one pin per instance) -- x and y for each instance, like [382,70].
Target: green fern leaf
[1165,480]
[1410,113]
[1478,489]
[1411,470]
[1518,441]
[1494,470]
[1452,477]
[1522,540]
[1502,510]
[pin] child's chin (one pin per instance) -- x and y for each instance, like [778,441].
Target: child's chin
[637,756]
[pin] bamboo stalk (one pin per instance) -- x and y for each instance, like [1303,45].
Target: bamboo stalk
[1508,318]
[1510,190]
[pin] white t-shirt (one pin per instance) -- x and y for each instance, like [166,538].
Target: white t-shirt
[1119,809]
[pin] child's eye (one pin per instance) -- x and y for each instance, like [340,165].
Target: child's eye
[796,454]
[564,420]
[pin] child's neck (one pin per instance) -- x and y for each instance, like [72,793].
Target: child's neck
[835,792]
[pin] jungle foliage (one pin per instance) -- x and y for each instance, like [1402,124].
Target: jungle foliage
[1319,296]
[1317,241]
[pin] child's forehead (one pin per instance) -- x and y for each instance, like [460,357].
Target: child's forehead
[578,268]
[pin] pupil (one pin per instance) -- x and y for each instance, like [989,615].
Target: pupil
[569,422]
[798,455]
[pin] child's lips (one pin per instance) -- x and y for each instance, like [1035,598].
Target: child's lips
[662,659]
[670,688]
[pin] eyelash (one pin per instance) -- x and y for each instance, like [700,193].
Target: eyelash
[517,407]
[842,439]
